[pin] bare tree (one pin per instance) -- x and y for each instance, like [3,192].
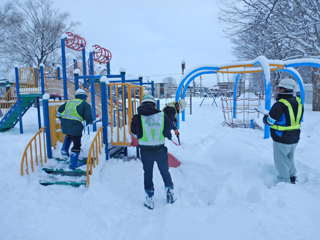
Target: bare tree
[171,84]
[36,39]
[285,29]
[8,19]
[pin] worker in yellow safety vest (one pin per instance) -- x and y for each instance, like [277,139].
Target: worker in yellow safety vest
[72,114]
[284,119]
[151,126]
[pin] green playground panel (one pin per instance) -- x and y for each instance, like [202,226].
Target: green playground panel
[75,184]
[76,172]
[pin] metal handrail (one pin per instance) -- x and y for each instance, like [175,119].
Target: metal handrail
[123,117]
[97,144]
[29,147]
[8,100]
[28,84]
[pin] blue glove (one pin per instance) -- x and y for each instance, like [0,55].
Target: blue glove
[135,136]
[58,114]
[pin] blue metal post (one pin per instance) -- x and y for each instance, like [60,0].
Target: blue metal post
[124,96]
[152,88]
[76,81]
[104,116]
[42,80]
[45,105]
[93,101]
[235,96]
[42,92]
[38,111]
[267,89]
[108,68]
[158,104]
[58,73]
[64,69]
[123,77]
[19,100]
[84,67]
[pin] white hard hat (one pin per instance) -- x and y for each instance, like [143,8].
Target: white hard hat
[81,92]
[288,83]
[148,98]
[182,104]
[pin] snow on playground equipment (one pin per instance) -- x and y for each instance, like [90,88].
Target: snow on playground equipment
[260,64]
[101,54]
[120,106]
[23,93]
[29,151]
[93,156]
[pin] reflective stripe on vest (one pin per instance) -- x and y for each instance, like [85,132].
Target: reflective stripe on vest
[294,123]
[70,111]
[152,128]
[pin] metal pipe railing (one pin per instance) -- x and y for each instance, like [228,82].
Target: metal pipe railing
[96,145]
[29,150]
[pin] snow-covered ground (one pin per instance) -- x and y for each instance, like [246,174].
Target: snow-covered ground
[226,189]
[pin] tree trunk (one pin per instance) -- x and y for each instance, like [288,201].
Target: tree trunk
[316,89]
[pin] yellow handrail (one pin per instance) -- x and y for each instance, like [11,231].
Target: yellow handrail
[8,100]
[97,143]
[117,118]
[29,81]
[29,147]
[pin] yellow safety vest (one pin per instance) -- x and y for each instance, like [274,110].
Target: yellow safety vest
[152,127]
[70,111]
[294,123]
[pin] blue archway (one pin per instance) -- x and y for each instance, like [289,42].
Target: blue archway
[261,61]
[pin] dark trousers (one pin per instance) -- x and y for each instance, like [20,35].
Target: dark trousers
[148,157]
[76,143]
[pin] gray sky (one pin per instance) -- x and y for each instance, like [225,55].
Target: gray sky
[152,37]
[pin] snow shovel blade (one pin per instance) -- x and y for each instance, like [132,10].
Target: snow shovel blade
[173,162]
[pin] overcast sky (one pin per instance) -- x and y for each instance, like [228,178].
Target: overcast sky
[152,37]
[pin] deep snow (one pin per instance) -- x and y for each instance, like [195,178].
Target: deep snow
[226,189]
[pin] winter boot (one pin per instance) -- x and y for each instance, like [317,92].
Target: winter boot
[66,146]
[293,179]
[170,195]
[149,199]
[74,160]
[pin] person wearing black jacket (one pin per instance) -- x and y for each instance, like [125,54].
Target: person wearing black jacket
[172,110]
[72,114]
[284,119]
[151,126]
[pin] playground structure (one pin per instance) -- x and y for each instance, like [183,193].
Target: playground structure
[113,103]
[235,113]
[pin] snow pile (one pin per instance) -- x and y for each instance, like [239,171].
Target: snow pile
[225,187]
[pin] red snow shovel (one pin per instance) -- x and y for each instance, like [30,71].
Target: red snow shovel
[173,162]
[134,141]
